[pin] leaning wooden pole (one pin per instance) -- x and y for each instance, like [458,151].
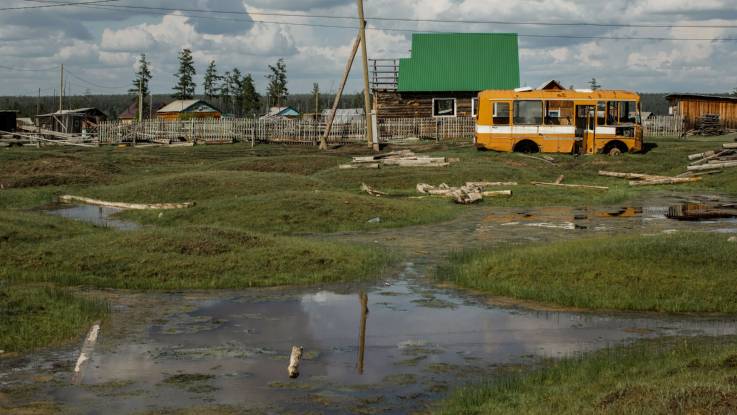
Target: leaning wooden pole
[363,297]
[366,90]
[339,94]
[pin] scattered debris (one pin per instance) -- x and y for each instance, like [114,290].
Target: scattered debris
[640,179]
[374,220]
[558,183]
[707,125]
[121,205]
[546,159]
[700,211]
[84,356]
[294,362]
[370,190]
[403,158]
[467,194]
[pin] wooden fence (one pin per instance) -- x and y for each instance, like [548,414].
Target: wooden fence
[663,126]
[282,131]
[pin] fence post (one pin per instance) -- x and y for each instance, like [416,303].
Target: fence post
[375,128]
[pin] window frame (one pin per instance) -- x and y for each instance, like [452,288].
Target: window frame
[474,107]
[455,108]
[541,104]
[495,114]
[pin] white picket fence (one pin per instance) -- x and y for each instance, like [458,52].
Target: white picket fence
[663,126]
[293,131]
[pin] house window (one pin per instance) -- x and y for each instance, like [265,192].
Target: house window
[474,107]
[444,107]
[501,113]
[528,112]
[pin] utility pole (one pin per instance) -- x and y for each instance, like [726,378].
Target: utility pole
[140,100]
[61,93]
[38,111]
[366,92]
[150,105]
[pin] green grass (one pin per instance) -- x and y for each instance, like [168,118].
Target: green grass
[668,376]
[36,317]
[685,272]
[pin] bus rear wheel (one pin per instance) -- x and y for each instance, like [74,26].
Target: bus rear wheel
[615,148]
[526,146]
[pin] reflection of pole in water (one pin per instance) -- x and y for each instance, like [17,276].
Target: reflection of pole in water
[362,337]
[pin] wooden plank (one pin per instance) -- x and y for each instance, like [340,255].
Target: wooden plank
[670,180]
[578,186]
[121,205]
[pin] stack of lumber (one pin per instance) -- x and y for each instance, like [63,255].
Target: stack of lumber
[404,158]
[467,194]
[699,211]
[709,124]
[640,179]
[713,161]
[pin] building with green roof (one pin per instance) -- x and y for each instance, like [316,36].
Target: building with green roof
[444,74]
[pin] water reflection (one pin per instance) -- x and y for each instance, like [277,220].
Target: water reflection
[96,215]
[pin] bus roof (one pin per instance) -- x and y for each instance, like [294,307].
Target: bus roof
[567,94]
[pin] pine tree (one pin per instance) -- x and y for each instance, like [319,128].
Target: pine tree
[211,80]
[185,86]
[251,98]
[594,84]
[143,76]
[277,89]
[225,91]
[236,90]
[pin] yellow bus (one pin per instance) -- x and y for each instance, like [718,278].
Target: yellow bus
[559,121]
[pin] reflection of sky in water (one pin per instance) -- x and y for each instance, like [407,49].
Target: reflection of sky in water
[244,341]
[96,215]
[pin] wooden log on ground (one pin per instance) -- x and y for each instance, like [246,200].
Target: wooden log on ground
[370,190]
[294,360]
[497,193]
[121,205]
[630,176]
[671,180]
[715,166]
[709,158]
[729,145]
[463,197]
[701,155]
[546,159]
[575,186]
[359,166]
[482,185]
[85,353]
[560,178]
[418,161]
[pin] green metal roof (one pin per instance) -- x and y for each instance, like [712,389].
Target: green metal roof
[460,62]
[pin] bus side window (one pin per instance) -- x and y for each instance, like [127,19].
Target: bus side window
[627,112]
[601,113]
[501,113]
[611,113]
[528,112]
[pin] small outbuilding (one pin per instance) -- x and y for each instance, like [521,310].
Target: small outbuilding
[131,113]
[188,109]
[8,120]
[344,115]
[694,106]
[73,121]
[281,112]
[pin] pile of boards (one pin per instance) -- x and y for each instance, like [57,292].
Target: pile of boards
[641,179]
[716,160]
[403,158]
[467,194]
[708,125]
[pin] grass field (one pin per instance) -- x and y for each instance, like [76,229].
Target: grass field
[667,376]
[684,272]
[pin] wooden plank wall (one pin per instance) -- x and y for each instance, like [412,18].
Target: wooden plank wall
[391,104]
[692,109]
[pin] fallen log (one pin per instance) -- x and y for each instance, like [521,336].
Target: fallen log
[710,158]
[630,176]
[121,205]
[418,161]
[464,197]
[701,155]
[370,190]
[497,193]
[349,166]
[482,185]
[576,186]
[560,178]
[715,166]
[671,180]
[85,353]
[294,360]
[730,145]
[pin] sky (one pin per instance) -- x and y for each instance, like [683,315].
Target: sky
[100,43]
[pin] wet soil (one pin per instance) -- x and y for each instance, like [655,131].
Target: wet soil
[199,349]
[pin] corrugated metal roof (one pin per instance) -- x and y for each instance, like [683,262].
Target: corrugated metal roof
[460,62]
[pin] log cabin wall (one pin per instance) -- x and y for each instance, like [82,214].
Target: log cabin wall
[392,104]
[693,109]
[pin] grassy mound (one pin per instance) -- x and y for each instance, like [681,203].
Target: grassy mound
[301,164]
[672,376]
[35,317]
[302,211]
[689,272]
[188,257]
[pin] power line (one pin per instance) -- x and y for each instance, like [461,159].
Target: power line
[79,3]
[450,21]
[11,68]
[389,29]
[79,78]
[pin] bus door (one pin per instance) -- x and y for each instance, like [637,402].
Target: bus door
[586,127]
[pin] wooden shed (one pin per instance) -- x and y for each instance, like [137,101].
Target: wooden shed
[8,120]
[73,121]
[693,106]
[188,109]
[444,74]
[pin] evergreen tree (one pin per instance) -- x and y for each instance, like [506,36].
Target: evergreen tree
[225,91]
[251,98]
[185,86]
[236,91]
[143,76]
[594,84]
[211,80]
[277,89]
[316,94]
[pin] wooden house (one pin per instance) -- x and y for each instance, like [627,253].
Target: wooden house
[281,112]
[131,113]
[188,109]
[73,121]
[693,106]
[444,74]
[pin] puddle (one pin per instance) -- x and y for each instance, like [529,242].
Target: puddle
[233,348]
[96,215]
